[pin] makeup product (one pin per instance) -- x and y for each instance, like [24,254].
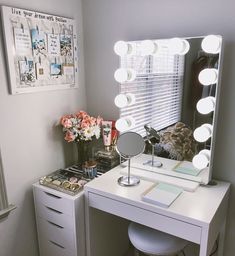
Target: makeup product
[73,179]
[107,134]
[90,169]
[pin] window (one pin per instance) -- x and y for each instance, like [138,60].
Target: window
[158,88]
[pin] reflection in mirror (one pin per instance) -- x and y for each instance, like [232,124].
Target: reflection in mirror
[153,139]
[175,87]
[129,144]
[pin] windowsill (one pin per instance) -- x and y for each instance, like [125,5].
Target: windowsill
[4,213]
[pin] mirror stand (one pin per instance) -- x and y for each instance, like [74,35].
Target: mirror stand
[128,180]
[129,144]
[152,162]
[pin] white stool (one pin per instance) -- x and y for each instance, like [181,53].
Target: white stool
[153,242]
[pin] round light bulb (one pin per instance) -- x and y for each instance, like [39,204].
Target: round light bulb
[122,48]
[125,124]
[123,75]
[178,46]
[124,100]
[149,47]
[201,160]
[208,76]
[203,133]
[212,44]
[206,105]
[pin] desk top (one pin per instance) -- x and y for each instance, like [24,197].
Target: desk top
[197,207]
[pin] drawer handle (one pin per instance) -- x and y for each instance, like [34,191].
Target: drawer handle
[62,247]
[53,210]
[56,225]
[52,195]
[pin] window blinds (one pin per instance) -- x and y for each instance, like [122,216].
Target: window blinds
[158,88]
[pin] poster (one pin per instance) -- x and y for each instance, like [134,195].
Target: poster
[41,51]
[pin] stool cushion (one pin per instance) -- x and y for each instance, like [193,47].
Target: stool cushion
[154,242]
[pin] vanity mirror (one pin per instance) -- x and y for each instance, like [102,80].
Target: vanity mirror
[172,85]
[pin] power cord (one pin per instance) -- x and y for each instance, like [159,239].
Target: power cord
[216,248]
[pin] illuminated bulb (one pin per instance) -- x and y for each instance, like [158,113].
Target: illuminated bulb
[211,44]
[201,160]
[124,100]
[125,123]
[203,133]
[208,76]
[123,75]
[206,105]
[122,48]
[149,47]
[178,46]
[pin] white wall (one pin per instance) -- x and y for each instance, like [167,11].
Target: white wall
[106,21]
[31,144]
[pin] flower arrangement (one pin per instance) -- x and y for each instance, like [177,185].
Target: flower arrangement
[80,127]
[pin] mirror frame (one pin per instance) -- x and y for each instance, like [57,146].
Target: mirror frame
[203,180]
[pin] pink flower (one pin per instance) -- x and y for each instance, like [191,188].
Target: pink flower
[65,121]
[99,120]
[81,114]
[93,121]
[85,124]
[69,136]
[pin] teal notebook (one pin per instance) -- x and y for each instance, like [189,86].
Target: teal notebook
[162,194]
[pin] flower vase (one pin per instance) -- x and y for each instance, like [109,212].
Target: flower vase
[83,153]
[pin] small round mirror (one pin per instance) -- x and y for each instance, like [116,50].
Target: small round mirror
[129,144]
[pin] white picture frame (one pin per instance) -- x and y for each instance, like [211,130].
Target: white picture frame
[27,34]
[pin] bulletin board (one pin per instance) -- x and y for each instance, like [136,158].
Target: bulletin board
[41,51]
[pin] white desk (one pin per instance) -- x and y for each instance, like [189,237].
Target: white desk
[197,216]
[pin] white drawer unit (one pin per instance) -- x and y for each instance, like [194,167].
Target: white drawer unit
[60,222]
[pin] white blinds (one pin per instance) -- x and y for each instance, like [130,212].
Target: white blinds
[157,88]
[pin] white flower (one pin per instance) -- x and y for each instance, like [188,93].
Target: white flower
[88,133]
[96,131]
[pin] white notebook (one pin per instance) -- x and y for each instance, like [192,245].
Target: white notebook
[162,194]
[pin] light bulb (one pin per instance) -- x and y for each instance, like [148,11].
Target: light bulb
[203,133]
[208,76]
[178,46]
[124,100]
[125,123]
[123,75]
[149,47]
[122,48]
[212,44]
[206,105]
[201,160]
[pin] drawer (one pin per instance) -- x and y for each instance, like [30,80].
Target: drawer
[152,219]
[51,248]
[62,236]
[55,216]
[54,201]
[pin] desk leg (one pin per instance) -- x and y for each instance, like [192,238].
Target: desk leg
[204,243]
